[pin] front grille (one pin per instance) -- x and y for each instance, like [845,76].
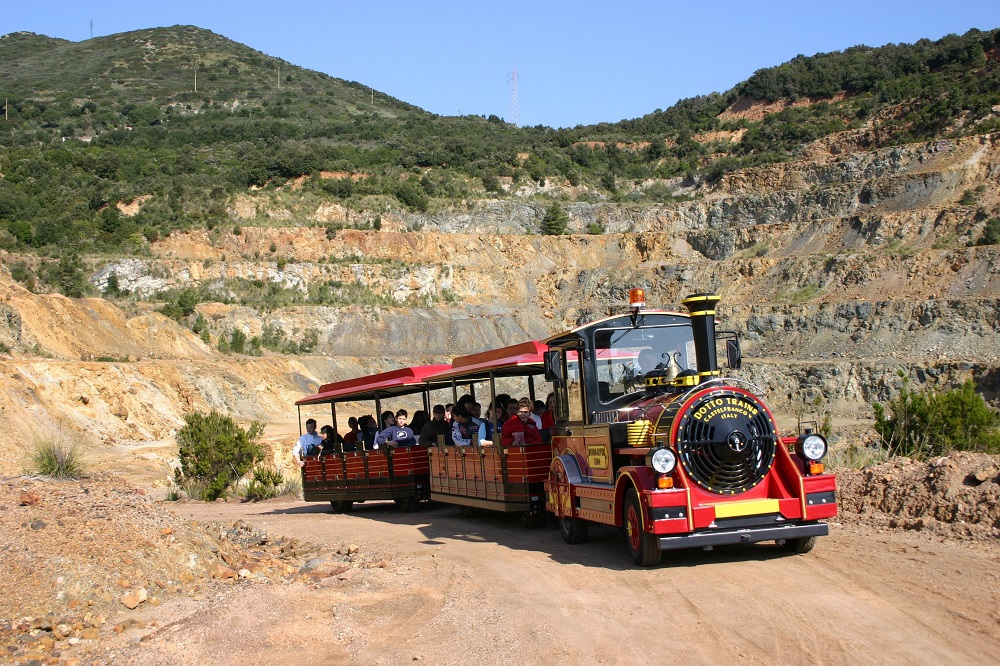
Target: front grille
[726,442]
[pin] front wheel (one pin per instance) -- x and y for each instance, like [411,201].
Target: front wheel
[341,507]
[642,545]
[803,545]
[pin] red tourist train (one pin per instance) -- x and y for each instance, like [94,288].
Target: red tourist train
[649,437]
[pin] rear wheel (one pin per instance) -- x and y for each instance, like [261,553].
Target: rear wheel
[468,511]
[531,520]
[803,545]
[641,545]
[407,504]
[573,530]
[341,507]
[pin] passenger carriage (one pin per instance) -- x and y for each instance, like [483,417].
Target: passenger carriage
[400,474]
[487,475]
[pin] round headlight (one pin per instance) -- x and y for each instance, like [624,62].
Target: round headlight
[811,446]
[662,460]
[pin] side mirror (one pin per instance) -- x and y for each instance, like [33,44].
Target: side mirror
[553,367]
[734,355]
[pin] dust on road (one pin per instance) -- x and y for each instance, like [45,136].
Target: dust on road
[484,590]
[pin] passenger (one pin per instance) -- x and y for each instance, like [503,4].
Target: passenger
[419,421]
[464,427]
[369,431]
[332,442]
[437,426]
[520,430]
[447,413]
[350,442]
[500,409]
[485,429]
[538,408]
[396,435]
[388,419]
[307,442]
[549,417]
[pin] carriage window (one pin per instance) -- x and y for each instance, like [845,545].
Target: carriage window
[623,355]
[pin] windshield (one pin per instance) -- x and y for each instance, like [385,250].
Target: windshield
[623,355]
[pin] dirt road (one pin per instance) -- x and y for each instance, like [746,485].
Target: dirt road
[486,591]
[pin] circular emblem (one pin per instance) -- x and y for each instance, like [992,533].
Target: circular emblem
[737,441]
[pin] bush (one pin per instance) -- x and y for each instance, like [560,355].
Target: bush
[215,451]
[265,484]
[57,455]
[926,423]
[991,232]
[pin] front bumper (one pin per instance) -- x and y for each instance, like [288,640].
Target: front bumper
[735,536]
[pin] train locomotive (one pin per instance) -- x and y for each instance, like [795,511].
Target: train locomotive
[682,458]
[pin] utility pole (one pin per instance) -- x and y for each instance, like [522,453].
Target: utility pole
[279,75]
[196,78]
[5,102]
[91,28]
[373,95]
[515,111]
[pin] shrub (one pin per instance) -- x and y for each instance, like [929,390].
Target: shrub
[991,232]
[214,450]
[265,484]
[922,424]
[57,455]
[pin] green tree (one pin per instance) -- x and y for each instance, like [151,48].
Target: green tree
[216,452]
[555,222]
[926,423]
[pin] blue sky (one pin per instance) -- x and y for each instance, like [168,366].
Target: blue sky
[577,62]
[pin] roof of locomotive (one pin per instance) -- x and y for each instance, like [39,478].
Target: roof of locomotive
[626,318]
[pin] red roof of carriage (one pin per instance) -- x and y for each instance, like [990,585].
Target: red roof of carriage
[393,382]
[521,359]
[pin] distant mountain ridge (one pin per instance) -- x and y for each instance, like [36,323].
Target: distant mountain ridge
[186,121]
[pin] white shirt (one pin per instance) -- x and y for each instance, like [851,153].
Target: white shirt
[305,443]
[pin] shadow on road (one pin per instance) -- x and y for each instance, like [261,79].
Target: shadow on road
[441,523]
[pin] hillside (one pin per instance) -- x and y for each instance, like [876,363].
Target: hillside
[212,269]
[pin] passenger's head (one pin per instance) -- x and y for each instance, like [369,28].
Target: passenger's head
[460,413]
[388,418]
[352,423]
[368,421]
[447,410]
[311,426]
[550,401]
[437,413]
[522,408]
[539,407]
[512,407]
[474,408]
[326,431]
[401,418]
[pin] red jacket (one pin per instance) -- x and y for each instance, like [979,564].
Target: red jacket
[515,424]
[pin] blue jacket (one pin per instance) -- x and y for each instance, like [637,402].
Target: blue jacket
[395,436]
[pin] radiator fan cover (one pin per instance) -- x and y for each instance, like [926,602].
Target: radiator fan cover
[726,440]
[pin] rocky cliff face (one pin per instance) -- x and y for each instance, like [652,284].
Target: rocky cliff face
[838,269]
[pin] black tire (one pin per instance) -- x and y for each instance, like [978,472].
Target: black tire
[803,545]
[407,504]
[468,511]
[642,546]
[573,530]
[530,521]
[341,507]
